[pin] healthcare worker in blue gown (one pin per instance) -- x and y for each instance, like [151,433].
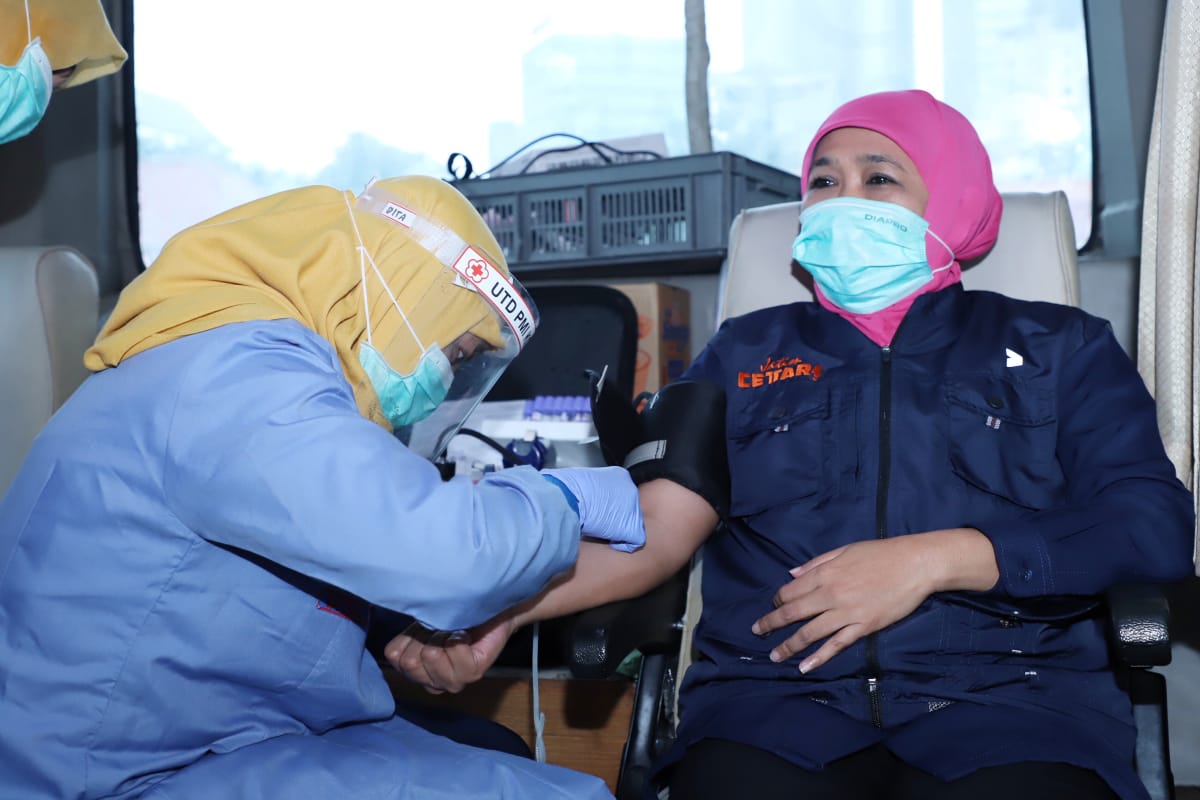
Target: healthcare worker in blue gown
[190,552]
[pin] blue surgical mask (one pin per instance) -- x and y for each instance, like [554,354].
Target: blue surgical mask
[864,254]
[24,92]
[408,399]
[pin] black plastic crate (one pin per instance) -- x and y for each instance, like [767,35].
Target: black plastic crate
[670,212]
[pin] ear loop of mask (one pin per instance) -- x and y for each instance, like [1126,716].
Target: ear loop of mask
[28,23]
[363,258]
[949,250]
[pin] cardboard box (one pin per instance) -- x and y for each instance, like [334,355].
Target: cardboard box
[664,333]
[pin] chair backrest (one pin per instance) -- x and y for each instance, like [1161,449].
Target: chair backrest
[1033,259]
[49,312]
[582,326]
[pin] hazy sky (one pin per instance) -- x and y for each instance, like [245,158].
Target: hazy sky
[283,81]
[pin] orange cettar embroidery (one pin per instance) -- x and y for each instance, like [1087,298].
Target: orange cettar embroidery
[774,370]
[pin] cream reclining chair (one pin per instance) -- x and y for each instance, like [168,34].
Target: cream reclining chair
[1035,259]
[49,312]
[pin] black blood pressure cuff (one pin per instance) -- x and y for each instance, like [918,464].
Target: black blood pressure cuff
[618,426]
[679,435]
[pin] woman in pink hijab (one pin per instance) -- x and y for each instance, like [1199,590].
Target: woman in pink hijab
[962,205]
[903,602]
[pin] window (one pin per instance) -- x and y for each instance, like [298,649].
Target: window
[252,98]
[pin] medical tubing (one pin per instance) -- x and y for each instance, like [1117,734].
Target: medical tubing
[509,455]
[539,718]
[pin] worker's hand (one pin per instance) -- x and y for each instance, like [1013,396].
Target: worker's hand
[608,504]
[856,590]
[446,662]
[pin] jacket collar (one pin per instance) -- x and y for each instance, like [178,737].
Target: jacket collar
[934,322]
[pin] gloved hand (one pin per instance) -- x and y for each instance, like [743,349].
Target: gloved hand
[607,501]
[679,434]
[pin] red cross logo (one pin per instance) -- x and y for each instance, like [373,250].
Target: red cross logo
[477,270]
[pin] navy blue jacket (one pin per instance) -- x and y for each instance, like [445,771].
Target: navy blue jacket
[1024,420]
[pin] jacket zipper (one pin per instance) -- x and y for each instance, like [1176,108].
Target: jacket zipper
[874,700]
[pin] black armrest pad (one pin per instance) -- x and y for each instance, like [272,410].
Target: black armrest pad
[1140,617]
[600,638]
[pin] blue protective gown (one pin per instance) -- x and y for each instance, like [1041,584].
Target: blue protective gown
[1024,420]
[169,552]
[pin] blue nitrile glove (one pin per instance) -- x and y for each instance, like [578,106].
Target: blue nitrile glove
[606,500]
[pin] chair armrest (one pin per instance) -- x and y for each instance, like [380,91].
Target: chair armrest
[1140,617]
[599,639]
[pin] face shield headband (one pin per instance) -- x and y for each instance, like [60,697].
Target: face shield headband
[502,295]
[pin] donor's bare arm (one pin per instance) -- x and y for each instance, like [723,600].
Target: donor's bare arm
[675,451]
[677,522]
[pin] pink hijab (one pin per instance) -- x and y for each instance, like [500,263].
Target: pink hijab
[964,206]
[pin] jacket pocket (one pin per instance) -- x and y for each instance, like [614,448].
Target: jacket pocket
[1003,438]
[778,447]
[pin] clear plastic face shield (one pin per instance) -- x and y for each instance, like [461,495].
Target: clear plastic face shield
[477,364]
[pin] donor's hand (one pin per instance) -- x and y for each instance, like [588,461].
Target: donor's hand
[446,662]
[856,590]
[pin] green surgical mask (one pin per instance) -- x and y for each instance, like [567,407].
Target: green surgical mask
[24,92]
[407,399]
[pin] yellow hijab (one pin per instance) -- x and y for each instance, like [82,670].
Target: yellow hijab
[294,255]
[75,33]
